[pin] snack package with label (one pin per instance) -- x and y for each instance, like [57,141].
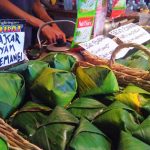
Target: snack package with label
[101,12]
[118,8]
[85,21]
[85,6]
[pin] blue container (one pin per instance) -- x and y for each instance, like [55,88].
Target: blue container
[68,5]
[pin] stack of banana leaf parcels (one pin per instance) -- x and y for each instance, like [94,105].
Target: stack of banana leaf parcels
[58,106]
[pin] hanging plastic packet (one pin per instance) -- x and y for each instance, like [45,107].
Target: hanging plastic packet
[85,21]
[118,8]
[100,17]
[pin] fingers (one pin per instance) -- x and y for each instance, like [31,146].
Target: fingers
[50,34]
[51,38]
[60,33]
[53,34]
[64,37]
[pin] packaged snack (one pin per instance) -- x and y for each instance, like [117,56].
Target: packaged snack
[118,8]
[86,5]
[100,17]
[85,21]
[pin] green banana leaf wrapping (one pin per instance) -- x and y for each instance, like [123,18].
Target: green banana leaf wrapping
[86,107]
[138,60]
[146,108]
[12,90]
[96,80]
[57,130]
[20,68]
[128,142]
[60,61]
[3,144]
[55,87]
[143,131]
[33,70]
[134,97]
[29,118]
[115,118]
[88,137]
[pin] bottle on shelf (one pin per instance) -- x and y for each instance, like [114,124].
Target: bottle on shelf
[142,5]
[68,5]
[131,6]
[149,5]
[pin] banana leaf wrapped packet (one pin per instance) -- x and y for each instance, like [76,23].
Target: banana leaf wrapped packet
[128,142]
[56,131]
[33,70]
[138,60]
[143,131]
[88,137]
[96,80]
[86,107]
[134,97]
[146,109]
[30,117]
[12,91]
[3,144]
[55,87]
[20,68]
[60,61]
[117,117]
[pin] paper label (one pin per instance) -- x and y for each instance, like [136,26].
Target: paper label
[131,33]
[102,46]
[11,42]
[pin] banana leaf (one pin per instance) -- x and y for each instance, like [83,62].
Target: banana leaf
[138,60]
[34,68]
[12,90]
[143,131]
[57,130]
[96,80]
[88,137]
[146,109]
[29,118]
[148,45]
[55,87]
[60,61]
[21,68]
[115,118]
[134,89]
[128,142]
[86,107]
[3,144]
[134,97]
[130,99]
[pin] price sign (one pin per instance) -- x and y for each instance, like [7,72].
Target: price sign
[103,47]
[12,37]
[131,33]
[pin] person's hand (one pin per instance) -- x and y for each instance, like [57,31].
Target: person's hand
[62,34]
[52,34]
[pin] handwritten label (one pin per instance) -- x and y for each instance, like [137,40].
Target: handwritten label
[131,33]
[11,42]
[102,46]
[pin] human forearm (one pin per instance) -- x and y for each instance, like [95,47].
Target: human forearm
[41,12]
[15,11]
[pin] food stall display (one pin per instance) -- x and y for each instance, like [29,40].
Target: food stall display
[82,98]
